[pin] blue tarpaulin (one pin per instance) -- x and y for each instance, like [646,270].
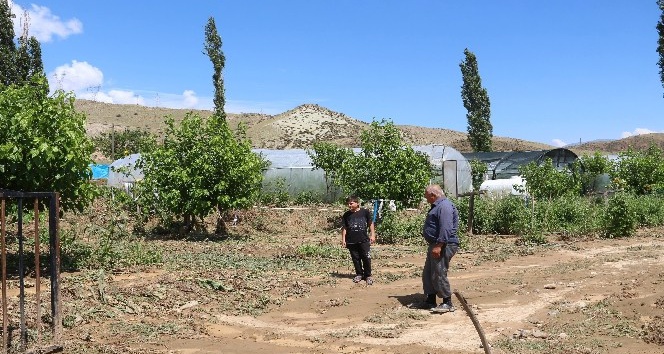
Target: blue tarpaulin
[99,171]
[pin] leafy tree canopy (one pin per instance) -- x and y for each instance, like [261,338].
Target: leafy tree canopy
[639,172]
[17,64]
[386,168]
[202,166]
[544,181]
[43,144]
[129,141]
[476,101]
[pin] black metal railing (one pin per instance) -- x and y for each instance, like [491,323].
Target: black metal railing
[51,202]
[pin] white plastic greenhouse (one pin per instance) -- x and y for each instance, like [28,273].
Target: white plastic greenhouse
[293,169]
[122,173]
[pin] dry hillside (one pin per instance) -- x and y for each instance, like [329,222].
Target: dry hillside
[301,126]
[638,142]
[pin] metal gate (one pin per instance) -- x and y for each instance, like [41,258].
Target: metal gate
[51,201]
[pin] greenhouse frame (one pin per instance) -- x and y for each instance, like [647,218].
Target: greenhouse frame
[505,164]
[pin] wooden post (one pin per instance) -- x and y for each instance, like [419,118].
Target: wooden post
[53,225]
[5,318]
[471,208]
[471,214]
[37,275]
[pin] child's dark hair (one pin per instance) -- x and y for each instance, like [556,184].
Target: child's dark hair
[352,198]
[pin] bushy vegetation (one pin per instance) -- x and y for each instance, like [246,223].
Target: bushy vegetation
[202,167]
[386,168]
[129,141]
[43,145]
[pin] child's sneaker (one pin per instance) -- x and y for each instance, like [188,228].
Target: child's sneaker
[357,279]
[369,281]
[443,308]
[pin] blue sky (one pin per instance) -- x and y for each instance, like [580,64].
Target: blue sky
[556,72]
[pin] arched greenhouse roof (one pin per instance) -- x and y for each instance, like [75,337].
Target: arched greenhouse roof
[451,167]
[505,164]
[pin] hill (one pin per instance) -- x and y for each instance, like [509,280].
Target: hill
[637,142]
[301,126]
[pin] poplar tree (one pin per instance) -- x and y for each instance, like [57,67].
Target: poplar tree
[7,45]
[202,165]
[18,64]
[660,42]
[476,100]
[213,49]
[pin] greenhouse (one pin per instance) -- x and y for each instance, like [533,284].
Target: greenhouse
[505,164]
[294,170]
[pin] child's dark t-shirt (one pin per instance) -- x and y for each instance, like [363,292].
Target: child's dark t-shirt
[356,225]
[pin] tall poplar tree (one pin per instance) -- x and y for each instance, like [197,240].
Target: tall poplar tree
[203,165]
[476,100]
[7,45]
[660,42]
[213,49]
[18,64]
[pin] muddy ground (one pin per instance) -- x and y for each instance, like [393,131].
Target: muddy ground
[288,289]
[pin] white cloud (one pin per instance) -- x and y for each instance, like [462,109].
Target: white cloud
[126,97]
[186,100]
[190,99]
[638,131]
[42,24]
[558,143]
[87,82]
[76,77]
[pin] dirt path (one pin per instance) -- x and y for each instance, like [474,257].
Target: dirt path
[554,297]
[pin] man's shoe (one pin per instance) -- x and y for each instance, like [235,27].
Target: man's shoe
[443,308]
[357,279]
[369,281]
[422,305]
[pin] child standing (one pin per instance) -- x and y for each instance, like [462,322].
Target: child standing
[355,237]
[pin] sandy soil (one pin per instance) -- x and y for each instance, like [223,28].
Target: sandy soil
[519,297]
[590,296]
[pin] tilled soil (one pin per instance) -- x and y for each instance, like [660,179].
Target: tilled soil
[596,296]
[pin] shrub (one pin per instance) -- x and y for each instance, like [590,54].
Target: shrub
[400,226]
[620,219]
[649,210]
[511,216]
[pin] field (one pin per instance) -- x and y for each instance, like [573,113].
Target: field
[280,283]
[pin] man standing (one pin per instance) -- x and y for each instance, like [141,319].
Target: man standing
[440,232]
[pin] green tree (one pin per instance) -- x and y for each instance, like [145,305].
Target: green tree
[43,144]
[213,50]
[588,167]
[385,168]
[202,166]
[7,45]
[476,101]
[18,64]
[639,172]
[29,60]
[478,171]
[129,141]
[660,41]
[544,181]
